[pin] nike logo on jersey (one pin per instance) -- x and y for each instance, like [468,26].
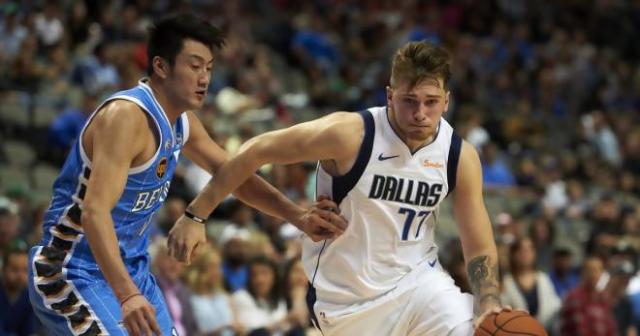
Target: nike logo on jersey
[433,263]
[384,158]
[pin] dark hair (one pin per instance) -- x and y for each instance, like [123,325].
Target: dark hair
[167,35]
[417,61]
[274,293]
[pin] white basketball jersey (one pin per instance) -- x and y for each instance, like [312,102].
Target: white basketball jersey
[389,198]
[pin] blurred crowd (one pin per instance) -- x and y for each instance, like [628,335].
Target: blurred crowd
[548,93]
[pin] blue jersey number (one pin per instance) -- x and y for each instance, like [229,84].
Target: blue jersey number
[408,221]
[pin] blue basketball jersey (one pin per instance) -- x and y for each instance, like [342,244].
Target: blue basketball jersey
[66,287]
[145,191]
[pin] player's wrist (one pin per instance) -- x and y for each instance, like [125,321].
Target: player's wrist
[129,297]
[196,218]
[295,216]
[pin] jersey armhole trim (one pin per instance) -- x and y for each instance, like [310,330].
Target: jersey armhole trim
[341,185]
[452,161]
[185,127]
[132,170]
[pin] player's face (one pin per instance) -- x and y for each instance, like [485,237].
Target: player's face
[191,74]
[416,111]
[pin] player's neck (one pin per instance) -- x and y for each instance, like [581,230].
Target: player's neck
[171,110]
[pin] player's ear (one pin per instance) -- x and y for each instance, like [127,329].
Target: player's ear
[160,67]
[389,94]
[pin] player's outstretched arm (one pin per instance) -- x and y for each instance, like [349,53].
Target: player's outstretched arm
[326,138]
[113,144]
[476,233]
[320,139]
[255,191]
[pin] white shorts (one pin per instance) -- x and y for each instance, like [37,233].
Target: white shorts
[434,307]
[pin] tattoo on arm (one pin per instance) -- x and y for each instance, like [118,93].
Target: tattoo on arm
[483,278]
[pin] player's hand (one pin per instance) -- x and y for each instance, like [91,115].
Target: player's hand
[322,220]
[184,238]
[139,317]
[494,310]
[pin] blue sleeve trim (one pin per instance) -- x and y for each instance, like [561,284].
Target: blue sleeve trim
[341,185]
[452,161]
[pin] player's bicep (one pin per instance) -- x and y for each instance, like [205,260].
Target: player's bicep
[468,204]
[116,141]
[201,149]
[322,139]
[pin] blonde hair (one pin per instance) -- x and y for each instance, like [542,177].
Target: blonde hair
[195,274]
[419,61]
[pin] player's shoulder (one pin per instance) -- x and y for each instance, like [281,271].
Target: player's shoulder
[469,163]
[342,122]
[120,114]
[343,117]
[468,152]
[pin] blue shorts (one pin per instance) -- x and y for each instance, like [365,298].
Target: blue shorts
[68,302]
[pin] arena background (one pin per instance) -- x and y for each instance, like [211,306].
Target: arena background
[548,92]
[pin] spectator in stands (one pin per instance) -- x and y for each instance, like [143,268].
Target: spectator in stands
[495,170]
[563,274]
[9,223]
[585,310]
[525,287]
[16,314]
[12,33]
[295,289]
[619,276]
[95,72]
[168,271]
[212,308]
[66,127]
[173,208]
[235,251]
[262,310]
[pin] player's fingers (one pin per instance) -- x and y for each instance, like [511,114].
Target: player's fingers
[142,322]
[333,219]
[323,197]
[187,250]
[170,246]
[132,325]
[194,251]
[321,235]
[152,322]
[183,252]
[328,205]
[339,221]
[320,223]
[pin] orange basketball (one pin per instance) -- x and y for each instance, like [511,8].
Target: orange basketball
[510,323]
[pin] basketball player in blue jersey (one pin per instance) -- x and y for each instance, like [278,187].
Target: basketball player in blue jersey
[90,273]
[388,168]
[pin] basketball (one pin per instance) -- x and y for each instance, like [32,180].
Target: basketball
[510,323]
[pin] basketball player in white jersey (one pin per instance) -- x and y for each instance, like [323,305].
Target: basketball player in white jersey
[388,168]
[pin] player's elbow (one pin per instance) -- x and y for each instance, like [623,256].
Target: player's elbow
[91,214]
